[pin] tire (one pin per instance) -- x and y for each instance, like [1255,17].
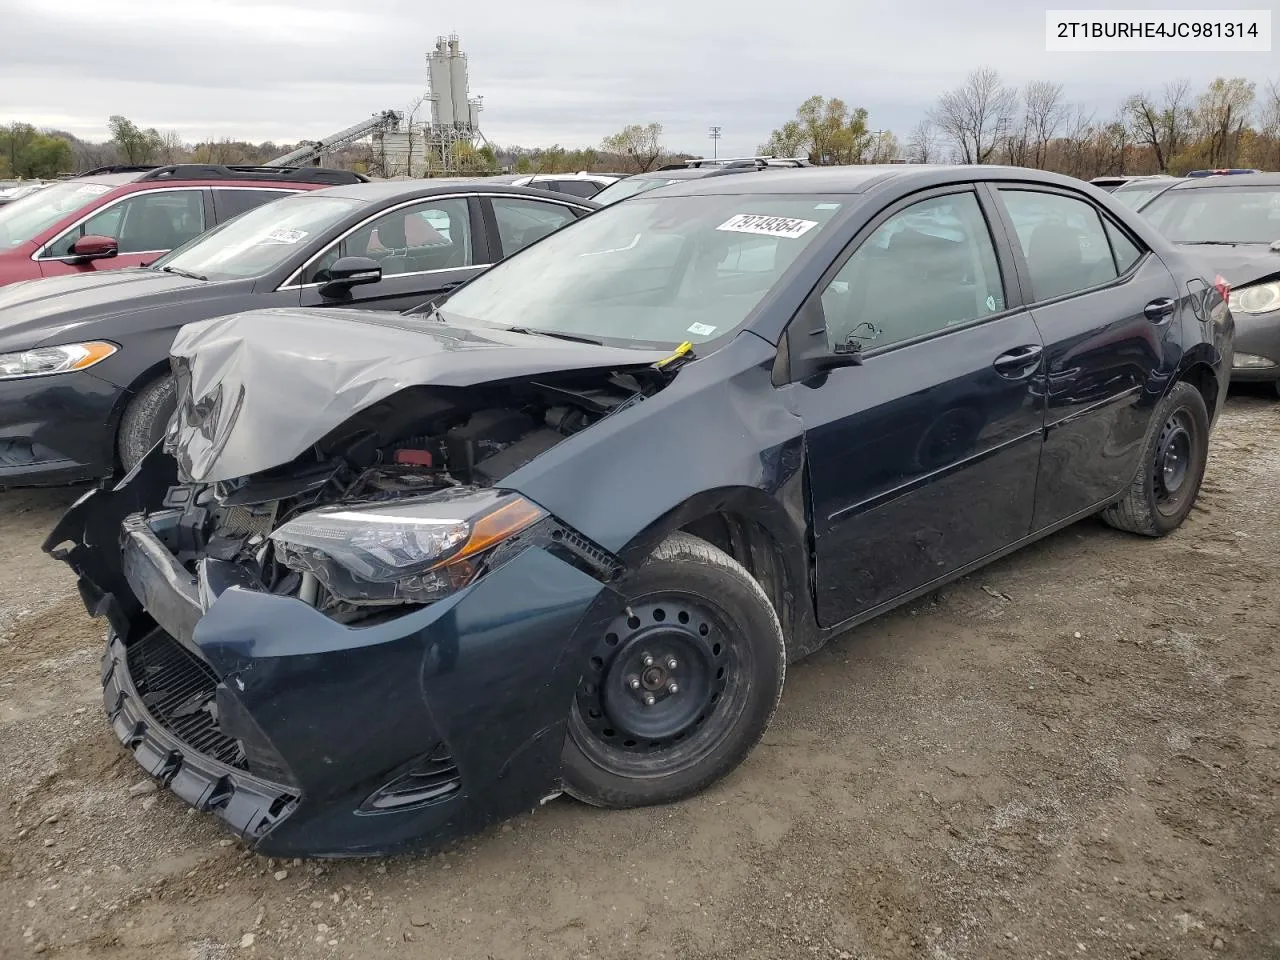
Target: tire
[145,420]
[1154,504]
[712,631]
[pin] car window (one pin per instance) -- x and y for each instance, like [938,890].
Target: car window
[580,188]
[232,203]
[654,271]
[150,222]
[262,239]
[1126,252]
[630,187]
[432,235]
[928,268]
[522,221]
[1063,242]
[1218,214]
[27,217]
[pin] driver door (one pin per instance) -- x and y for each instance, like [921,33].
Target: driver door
[425,249]
[924,458]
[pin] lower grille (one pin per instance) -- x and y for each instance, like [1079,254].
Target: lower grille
[178,690]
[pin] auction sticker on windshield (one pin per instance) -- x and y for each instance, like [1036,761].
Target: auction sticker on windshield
[284,235]
[768,226]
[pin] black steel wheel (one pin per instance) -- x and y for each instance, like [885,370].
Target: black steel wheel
[1173,462]
[680,686]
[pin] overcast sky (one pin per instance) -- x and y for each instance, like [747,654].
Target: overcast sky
[550,71]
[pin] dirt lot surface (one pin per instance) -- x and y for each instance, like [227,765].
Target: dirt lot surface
[1075,752]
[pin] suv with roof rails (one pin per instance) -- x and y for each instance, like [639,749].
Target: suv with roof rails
[126,216]
[762,161]
[674,173]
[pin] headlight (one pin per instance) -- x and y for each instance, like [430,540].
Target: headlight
[1260,298]
[412,550]
[1245,361]
[43,361]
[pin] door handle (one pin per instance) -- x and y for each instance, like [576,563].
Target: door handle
[1019,362]
[1159,310]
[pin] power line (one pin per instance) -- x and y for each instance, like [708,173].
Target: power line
[715,142]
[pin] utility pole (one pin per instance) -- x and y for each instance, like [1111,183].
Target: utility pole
[715,142]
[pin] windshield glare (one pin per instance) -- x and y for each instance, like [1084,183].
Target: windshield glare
[259,240]
[1218,214]
[629,188]
[655,271]
[27,217]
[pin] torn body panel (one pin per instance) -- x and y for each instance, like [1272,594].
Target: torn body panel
[351,727]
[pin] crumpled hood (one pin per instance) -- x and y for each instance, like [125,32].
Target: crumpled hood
[256,389]
[41,311]
[1240,266]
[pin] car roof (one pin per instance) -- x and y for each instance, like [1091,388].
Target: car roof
[1230,180]
[860,178]
[383,190]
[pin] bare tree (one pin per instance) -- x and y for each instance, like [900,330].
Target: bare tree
[641,143]
[1222,112]
[1269,128]
[976,115]
[171,149]
[1044,112]
[922,145]
[1160,125]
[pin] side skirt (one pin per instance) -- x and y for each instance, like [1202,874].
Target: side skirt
[828,633]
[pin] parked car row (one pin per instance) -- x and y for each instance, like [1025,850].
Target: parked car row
[85,388]
[386,577]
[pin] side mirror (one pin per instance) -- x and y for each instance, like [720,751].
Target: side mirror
[93,247]
[807,352]
[348,272]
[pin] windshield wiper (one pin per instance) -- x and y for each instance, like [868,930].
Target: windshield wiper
[183,273]
[558,336]
[1211,243]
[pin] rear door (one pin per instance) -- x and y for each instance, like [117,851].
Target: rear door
[1104,306]
[924,458]
[145,225]
[425,248]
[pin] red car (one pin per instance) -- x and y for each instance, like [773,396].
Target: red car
[123,216]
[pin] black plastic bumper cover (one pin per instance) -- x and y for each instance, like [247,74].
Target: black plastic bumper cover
[248,805]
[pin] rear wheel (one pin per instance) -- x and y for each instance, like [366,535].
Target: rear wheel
[145,420]
[680,686]
[1173,462]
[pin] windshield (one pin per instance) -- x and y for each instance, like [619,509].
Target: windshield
[629,188]
[27,217]
[258,241]
[1135,197]
[654,272]
[1218,214]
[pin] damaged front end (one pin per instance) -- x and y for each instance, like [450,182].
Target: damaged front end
[369,646]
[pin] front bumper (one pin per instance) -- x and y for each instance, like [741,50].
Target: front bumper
[403,734]
[1259,335]
[57,429]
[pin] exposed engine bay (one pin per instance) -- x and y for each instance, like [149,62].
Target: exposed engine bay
[418,442]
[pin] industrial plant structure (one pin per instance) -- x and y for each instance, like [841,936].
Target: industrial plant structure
[440,144]
[404,144]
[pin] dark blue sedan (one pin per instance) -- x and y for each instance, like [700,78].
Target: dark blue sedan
[390,578]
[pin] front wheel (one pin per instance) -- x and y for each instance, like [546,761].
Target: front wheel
[1173,463]
[145,420]
[680,686]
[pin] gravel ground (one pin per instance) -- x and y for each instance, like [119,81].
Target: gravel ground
[1071,753]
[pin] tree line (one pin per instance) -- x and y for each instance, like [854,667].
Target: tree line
[1229,123]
